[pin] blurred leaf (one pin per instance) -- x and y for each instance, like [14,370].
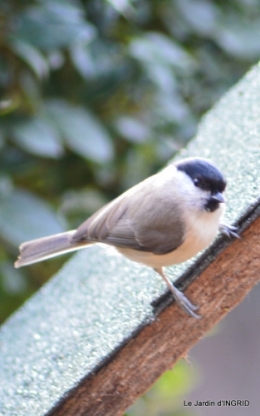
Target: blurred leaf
[136,166]
[37,136]
[124,7]
[2,138]
[154,47]
[32,56]
[87,201]
[6,185]
[171,108]
[100,60]
[24,216]
[14,288]
[82,131]
[9,105]
[175,382]
[79,205]
[163,77]
[132,129]
[241,41]
[201,15]
[54,24]
[56,59]
[13,280]
[83,61]
[165,396]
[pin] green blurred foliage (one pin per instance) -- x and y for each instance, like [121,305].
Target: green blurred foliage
[166,396]
[95,95]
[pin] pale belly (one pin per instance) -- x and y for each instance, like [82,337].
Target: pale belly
[200,235]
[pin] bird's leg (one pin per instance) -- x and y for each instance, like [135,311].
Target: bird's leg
[179,297]
[229,230]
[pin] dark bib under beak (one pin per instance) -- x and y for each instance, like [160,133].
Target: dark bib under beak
[214,201]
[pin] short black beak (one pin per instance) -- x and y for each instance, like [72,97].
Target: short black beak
[218,197]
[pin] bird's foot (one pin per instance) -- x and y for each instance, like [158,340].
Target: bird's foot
[184,302]
[229,230]
[179,296]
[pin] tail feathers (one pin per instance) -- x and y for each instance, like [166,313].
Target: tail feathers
[47,247]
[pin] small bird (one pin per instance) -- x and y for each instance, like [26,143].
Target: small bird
[164,220]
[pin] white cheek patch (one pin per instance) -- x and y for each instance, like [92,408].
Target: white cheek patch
[191,197]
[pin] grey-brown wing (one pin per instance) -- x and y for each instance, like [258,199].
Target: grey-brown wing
[131,221]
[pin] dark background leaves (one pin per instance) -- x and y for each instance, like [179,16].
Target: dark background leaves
[95,96]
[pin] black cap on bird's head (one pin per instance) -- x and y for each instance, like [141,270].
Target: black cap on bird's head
[205,175]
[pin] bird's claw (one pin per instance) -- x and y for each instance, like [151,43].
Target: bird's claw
[229,230]
[185,304]
[179,296]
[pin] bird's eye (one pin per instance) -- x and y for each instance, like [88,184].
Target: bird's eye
[196,181]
